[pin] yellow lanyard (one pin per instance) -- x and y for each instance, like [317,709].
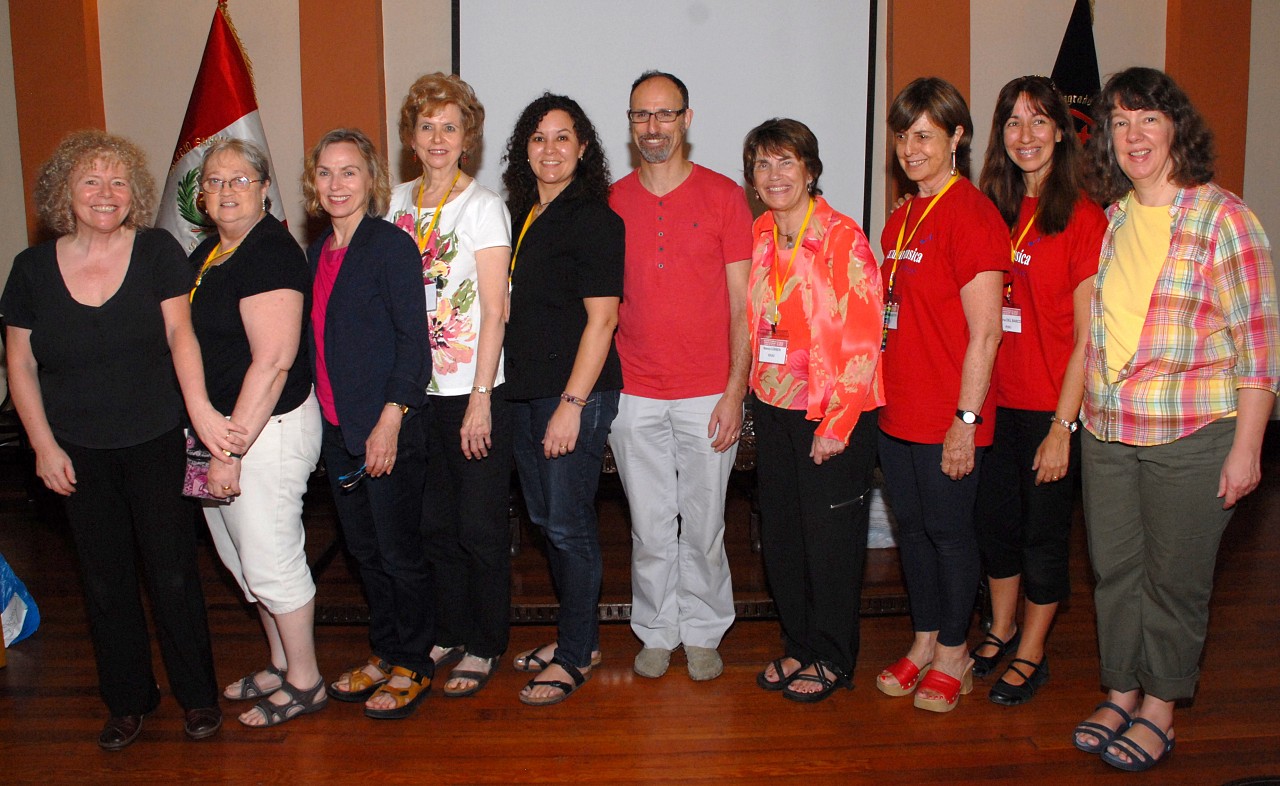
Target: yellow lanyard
[780,281]
[533,213]
[214,256]
[897,254]
[423,239]
[1014,245]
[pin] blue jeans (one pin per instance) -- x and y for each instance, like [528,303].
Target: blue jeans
[560,495]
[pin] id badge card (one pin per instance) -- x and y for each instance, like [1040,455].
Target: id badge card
[1011,319]
[891,321]
[773,346]
[433,296]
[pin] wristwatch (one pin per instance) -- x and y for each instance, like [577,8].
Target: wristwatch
[969,418]
[404,408]
[1069,425]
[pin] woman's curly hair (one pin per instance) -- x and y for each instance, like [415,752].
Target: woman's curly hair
[1147,88]
[518,177]
[77,152]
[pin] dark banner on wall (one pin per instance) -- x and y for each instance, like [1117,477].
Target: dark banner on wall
[1075,72]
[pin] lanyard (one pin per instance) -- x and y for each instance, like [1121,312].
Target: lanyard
[780,280]
[435,218]
[897,253]
[1014,245]
[533,213]
[214,255]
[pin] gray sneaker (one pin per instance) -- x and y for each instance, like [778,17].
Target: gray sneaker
[704,663]
[652,662]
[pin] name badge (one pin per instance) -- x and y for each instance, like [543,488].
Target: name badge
[773,347]
[892,321]
[433,296]
[1011,319]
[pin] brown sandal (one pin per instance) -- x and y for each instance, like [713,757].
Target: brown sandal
[360,685]
[406,698]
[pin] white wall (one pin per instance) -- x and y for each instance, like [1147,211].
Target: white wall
[13,212]
[151,53]
[417,40]
[1261,160]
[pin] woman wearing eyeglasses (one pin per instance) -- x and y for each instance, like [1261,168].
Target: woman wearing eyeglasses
[372,366]
[249,305]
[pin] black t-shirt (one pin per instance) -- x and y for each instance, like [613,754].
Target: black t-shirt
[573,251]
[106,375]
[267,259]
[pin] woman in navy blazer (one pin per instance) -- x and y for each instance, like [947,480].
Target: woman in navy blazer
[372,364]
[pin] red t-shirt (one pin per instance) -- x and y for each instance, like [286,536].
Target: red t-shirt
[673,323]
[1048,268]
[962,236]
[326,273]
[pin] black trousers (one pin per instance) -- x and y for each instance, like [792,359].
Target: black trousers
[126,513]
[813,532]
[381,522]
[465,528]
[1024,529]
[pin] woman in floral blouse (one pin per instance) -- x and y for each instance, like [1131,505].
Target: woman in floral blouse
[463,232]
[814,310]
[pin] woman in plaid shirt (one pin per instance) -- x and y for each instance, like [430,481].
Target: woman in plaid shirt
[1181,371]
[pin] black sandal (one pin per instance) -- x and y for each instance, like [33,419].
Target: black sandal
[565,688]
[784,679]
[301,702]
[829,684]
[248,685]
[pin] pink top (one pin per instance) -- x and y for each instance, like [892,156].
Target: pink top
[326,273]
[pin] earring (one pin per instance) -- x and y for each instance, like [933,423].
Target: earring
[954,171]
[264,203]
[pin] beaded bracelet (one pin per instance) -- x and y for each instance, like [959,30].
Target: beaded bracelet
[572,399]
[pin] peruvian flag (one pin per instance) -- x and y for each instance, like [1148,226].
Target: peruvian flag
[222,104]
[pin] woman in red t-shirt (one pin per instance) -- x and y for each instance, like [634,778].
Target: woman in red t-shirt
[946,252]
[1034,174]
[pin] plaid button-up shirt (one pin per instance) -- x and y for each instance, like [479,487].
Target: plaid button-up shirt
[1212,326]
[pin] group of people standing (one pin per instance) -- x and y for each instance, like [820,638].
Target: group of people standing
[648,312]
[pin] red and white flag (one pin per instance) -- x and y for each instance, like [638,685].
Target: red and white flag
[222,104]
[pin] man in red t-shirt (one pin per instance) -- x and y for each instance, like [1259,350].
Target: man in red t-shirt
[682,339]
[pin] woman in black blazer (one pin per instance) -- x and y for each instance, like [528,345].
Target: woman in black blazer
[372,365]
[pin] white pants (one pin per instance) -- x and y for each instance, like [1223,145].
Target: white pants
[681,591]
[259,534]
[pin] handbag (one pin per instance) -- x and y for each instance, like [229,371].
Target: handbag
[196,481]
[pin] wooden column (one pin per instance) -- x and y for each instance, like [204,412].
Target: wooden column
[342,73]
[1207,52]
[926,38]
[57,78]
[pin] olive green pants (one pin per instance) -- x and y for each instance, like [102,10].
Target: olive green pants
[1154,521]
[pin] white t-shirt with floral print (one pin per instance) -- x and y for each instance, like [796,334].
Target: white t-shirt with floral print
[476,219]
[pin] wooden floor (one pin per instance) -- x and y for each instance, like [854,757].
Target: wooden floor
[622,728]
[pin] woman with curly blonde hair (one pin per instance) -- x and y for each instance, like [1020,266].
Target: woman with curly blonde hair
[96,322]
[463,232]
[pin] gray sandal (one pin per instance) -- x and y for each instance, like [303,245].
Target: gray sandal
[301,702]
[249,685]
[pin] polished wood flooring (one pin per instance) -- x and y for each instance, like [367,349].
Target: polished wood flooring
[621,728]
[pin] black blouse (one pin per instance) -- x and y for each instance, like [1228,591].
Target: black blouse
[573,251]
[106,374]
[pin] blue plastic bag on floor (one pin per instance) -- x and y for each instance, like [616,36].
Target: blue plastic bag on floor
[18,612]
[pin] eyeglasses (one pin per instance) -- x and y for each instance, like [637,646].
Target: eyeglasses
[214,185]
[639,116]
[352,479]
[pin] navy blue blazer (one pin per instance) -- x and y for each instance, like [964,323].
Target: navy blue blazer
[376,344]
